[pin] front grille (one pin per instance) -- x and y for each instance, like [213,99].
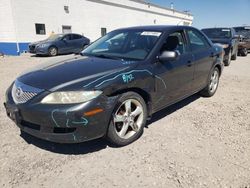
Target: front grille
[21,93]
[32,47]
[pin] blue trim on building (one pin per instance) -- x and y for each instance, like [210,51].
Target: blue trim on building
[10,48]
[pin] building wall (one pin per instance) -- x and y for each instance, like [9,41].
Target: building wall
[85,17]
[7,28]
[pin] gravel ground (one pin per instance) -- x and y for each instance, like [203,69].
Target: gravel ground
[199,142]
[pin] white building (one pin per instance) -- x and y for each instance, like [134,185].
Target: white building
[24,21]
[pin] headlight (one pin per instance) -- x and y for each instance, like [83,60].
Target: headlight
[42,45]
[70,97]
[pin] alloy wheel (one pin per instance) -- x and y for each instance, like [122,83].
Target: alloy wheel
[214,80]
[128,118]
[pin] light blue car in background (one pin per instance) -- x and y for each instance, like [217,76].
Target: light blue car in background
[59,44]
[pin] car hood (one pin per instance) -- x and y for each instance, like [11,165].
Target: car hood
[41,42]
[221,41]
[57,75]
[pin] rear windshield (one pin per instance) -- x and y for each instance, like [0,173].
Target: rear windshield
[218,33]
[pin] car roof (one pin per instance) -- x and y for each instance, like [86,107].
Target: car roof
[157,27]
[218,28]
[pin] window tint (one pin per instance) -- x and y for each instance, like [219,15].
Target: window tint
[74,37]
[67,37]
[40,29]
[175,42]
[197,40]
[134,44]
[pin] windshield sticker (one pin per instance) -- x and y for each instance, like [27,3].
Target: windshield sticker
[151,33]
[227,30]
[247,28]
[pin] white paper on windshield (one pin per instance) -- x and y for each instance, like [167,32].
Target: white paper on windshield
[151,33]
[247,27]
[226,30]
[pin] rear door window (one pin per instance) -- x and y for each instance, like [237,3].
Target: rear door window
[197,40]
[75,37]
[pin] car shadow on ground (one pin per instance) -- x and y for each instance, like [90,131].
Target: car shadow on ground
[72,149]
[99,144]
[171,109]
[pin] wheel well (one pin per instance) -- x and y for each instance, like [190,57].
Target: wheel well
[53,47]
[144,94]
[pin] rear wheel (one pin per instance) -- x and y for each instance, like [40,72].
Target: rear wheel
[53,51]
[212,85]
[244,52]
[128,119]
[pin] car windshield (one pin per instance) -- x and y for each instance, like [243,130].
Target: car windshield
[245,31]
[131,45]
[55,37]
[218,33]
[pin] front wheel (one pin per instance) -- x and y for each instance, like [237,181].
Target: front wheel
[228,61]
[212,85]
[53,51]
[128,119]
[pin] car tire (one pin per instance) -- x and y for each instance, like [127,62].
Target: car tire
[244,52]
[234,57]
[228,61]
[212,84]
[128,119]
[53,51]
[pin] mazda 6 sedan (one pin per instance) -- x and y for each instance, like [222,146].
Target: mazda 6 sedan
[115,85]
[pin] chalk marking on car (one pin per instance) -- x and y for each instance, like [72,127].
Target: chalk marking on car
[83,122]
[127,78]
[144,70]
[53,118]
[104,77]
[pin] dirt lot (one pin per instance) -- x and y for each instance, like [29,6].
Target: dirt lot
[199,142]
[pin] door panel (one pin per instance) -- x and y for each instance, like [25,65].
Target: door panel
[178,77]
[203,57]
[203,62]
[177,74]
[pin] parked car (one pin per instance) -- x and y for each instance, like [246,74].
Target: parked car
[59,44]
[244,45]
[227,38]
[116,85]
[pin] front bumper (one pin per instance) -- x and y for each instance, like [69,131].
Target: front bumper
[38,50]
[61,123]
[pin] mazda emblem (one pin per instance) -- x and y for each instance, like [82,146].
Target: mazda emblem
[19,92]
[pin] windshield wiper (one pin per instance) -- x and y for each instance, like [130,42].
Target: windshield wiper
[103,56]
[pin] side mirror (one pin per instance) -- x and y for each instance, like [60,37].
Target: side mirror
[169,56]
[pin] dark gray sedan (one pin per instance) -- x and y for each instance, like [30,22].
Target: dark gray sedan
[59,44]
